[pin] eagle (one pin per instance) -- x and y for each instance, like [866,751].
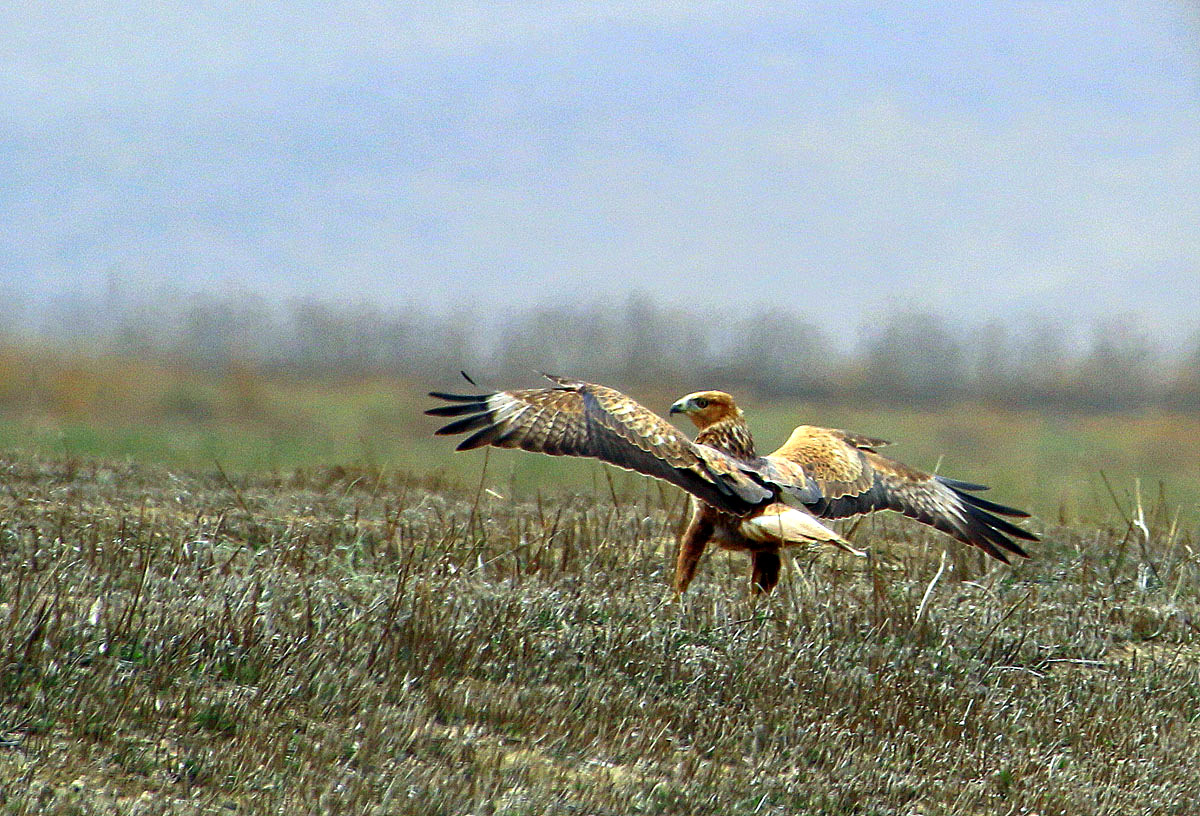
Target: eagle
[740,500]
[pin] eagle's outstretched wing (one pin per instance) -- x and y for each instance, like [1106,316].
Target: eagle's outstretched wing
[582,419]
[842,475]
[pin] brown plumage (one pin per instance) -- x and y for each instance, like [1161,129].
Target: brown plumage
[740,500]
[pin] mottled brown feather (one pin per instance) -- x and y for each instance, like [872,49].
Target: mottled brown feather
[583,419]
[853,479]
[836,463]
[730,435]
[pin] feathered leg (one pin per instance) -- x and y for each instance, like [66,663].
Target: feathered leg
[691,546]
[766,571]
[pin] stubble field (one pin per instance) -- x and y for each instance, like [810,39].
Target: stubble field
[359,640]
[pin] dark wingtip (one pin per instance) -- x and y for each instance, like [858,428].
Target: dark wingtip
[997,531]
[467,377]
[457,409]
[957,484]
[991,506]
[486,435]
[459,397]
[999,555]
[465,424]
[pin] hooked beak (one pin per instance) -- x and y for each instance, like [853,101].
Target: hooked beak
[680,407]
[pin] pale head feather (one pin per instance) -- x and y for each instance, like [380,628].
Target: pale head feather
[706,408]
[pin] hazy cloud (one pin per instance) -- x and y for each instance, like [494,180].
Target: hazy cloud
[832,158]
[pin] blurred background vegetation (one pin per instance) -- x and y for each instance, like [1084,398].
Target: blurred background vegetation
[1057,418]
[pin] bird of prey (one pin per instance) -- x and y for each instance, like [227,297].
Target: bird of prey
[740,499]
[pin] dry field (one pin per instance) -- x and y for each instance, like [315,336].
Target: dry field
[367,642]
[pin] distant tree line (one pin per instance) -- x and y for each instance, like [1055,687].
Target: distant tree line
[907,357]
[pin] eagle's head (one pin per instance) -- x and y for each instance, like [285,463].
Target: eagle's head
[707,407]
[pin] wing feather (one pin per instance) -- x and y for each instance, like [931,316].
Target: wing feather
[846,477]
[582,419]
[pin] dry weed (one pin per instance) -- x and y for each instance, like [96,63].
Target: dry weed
[363,642]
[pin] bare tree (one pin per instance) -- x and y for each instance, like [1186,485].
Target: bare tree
[1183,390]
[913,357]
[1120,370]
[777,354]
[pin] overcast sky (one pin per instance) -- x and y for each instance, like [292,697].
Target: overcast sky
[834,158]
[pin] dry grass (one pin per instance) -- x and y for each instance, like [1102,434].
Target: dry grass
[362,642]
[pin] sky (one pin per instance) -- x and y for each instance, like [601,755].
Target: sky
[839,160]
